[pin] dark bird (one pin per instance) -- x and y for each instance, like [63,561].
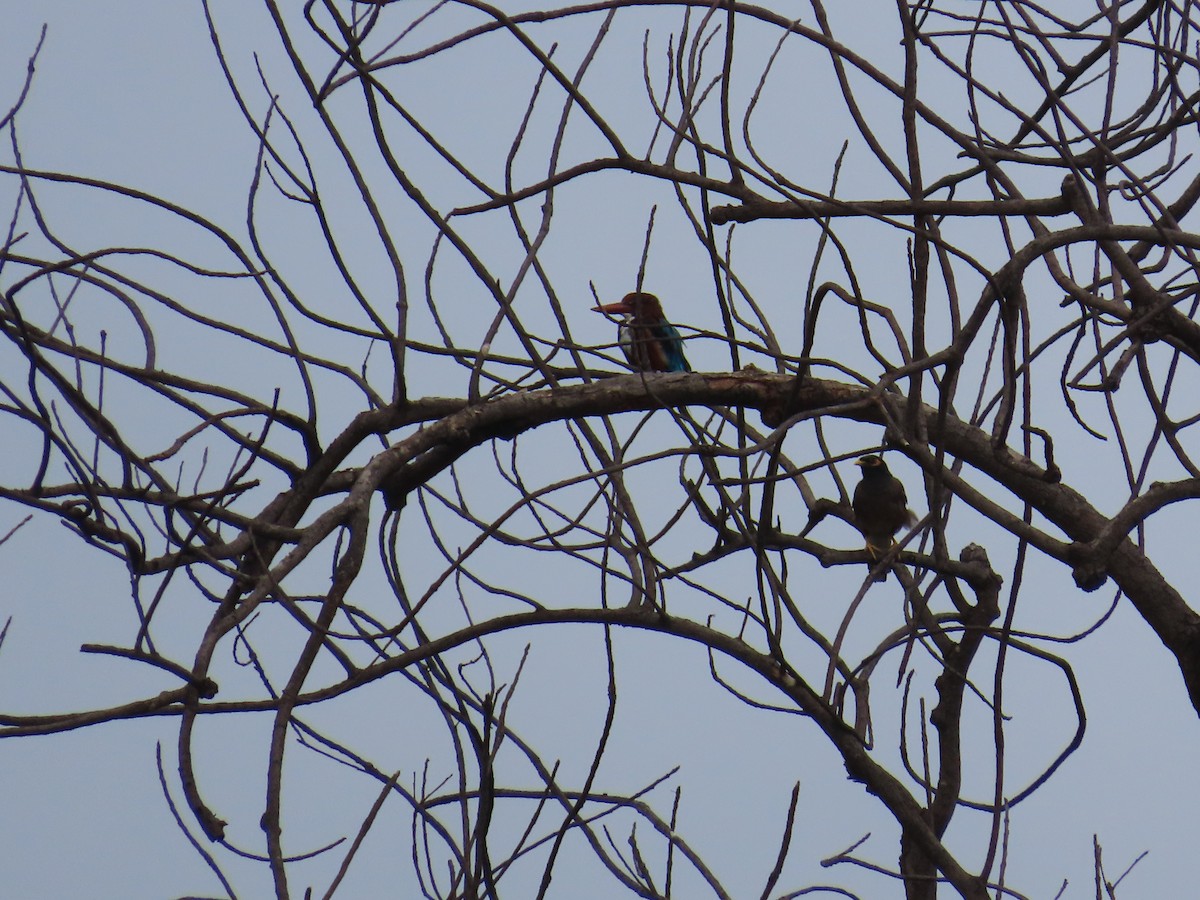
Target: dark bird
[880,507]
[648,340]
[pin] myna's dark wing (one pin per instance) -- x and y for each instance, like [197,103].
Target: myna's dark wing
[880,509]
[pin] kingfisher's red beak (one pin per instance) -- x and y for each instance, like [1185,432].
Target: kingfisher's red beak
[620,308]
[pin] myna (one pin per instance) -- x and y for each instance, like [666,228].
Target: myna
[880,507]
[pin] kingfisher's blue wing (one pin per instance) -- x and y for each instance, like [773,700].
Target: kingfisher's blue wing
[672,347]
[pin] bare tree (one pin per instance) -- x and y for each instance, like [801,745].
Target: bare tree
[368,453]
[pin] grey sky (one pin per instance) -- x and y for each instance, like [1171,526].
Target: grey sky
[131,92]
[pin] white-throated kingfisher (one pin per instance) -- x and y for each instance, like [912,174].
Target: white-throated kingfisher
[648,340]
